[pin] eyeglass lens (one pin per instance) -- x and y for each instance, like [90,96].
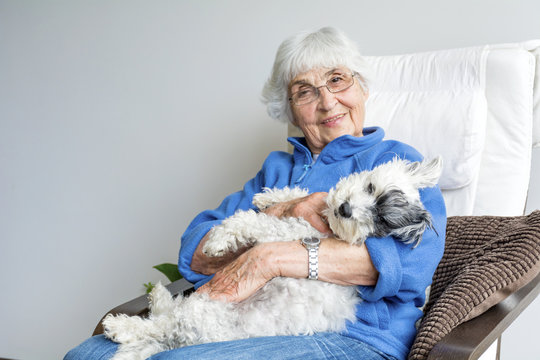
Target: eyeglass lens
[309,93]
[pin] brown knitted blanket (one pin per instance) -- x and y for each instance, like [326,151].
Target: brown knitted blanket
[486,258]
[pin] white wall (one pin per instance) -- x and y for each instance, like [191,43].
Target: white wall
[120,120]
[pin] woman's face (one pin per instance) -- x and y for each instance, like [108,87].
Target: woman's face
[332,114]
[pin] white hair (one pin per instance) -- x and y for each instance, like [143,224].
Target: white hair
[327,47]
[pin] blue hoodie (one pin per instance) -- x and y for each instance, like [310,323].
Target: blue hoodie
[388,311]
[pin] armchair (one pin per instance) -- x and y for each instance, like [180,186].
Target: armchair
[476,107]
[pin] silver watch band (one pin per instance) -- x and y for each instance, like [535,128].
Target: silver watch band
[312,246]
[313,260]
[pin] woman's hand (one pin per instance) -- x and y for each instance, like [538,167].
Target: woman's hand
[242,277]
[310,208]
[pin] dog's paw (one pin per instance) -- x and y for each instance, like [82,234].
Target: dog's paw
[221,241]
[237,231]
[112,328]
[122,329]
[211,251]
[270,197]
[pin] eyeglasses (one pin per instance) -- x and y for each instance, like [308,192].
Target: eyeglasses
[309,93]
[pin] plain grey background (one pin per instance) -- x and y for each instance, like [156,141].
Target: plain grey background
[121,120]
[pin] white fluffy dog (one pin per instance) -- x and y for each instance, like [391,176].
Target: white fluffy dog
[380,202]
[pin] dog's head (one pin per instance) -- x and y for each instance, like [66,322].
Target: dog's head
[383,201]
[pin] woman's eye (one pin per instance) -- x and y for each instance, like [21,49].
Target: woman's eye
[304,93]
[336,79]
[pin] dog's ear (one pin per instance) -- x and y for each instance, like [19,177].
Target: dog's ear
[398,217]
[419,223]
[426,173]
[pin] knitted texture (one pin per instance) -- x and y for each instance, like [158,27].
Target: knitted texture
[485,259]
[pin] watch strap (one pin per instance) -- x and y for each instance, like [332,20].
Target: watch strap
[312,246]
[313,263]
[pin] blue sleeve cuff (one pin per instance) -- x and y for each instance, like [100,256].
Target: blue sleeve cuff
[386,259]
[189,244]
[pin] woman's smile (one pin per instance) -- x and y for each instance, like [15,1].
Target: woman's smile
[333,120]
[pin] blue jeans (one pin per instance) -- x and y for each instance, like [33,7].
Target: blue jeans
[316,347]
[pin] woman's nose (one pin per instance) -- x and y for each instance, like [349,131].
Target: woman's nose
[327,100]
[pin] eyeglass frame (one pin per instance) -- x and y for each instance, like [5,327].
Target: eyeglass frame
[318,92]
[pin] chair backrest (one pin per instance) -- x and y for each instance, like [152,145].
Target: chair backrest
[474,106]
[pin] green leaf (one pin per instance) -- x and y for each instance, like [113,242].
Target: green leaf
[170,271]
[149,286]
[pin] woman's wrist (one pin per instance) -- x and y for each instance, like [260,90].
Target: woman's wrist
[346,264]
[286,259]
[339,262]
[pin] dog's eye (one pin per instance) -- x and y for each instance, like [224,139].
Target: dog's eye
[370,188]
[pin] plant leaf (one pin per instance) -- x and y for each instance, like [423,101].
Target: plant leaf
[170,271]
[149,286]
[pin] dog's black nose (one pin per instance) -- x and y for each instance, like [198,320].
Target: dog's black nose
[345,210]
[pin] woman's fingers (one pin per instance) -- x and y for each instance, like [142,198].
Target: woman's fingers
[241,278]
[319,223]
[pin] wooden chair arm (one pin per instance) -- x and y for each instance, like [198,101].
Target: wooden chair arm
[139,306]
[472,338]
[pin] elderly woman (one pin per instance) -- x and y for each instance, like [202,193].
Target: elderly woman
[319,83]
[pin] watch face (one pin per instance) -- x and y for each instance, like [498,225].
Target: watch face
[312,241]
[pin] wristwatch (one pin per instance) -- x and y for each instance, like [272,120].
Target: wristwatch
[312,246]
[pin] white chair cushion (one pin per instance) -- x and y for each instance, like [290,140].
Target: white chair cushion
[506,161]
[435,102]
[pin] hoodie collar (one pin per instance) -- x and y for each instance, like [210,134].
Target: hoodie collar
[339,148]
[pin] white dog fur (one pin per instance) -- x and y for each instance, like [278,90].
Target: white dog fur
[383,201]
